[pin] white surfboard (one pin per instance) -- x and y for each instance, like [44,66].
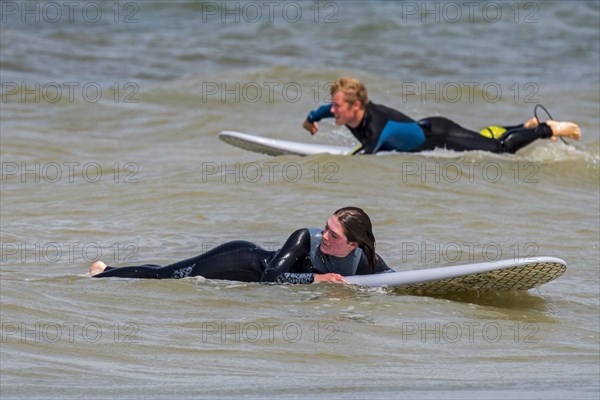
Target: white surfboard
[506,275]
[277,147]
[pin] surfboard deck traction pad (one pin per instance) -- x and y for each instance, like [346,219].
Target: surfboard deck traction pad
[521,277]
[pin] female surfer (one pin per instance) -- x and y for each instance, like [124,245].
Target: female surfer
[345,247]
[380,128]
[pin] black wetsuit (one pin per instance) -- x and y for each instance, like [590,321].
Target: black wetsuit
[247,262]
[385,129]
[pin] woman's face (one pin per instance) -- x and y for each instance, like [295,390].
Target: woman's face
[335,243]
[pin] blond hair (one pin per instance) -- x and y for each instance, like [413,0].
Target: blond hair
[353,89]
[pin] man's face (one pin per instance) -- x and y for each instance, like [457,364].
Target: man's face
[344,113]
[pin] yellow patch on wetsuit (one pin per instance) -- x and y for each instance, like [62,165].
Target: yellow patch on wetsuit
[356,150]
[493,132]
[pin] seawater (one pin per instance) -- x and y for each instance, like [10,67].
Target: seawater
[109,119]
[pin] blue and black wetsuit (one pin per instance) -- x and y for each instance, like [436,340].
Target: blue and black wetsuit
[386,129]
[296,262]
[381,129]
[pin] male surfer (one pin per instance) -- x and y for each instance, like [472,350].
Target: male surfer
[380,128]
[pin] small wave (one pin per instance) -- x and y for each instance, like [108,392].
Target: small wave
[543,153]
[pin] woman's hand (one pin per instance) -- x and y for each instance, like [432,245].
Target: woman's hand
[330,278]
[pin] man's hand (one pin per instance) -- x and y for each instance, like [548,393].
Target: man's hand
[312,127]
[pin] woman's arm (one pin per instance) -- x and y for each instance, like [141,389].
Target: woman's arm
[295,249]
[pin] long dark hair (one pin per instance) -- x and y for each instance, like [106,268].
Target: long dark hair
[358,228]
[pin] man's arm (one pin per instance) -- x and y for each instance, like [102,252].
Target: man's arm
[310,124]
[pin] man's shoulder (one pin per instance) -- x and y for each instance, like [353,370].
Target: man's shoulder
[388,112]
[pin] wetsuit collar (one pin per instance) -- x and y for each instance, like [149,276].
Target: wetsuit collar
[363,122]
